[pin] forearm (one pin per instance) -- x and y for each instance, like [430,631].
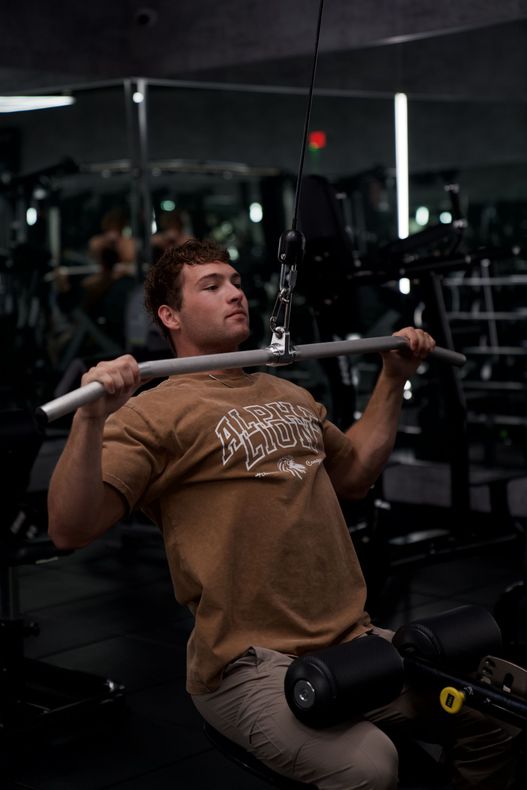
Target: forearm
[76,492]
[80,506]
[373,435]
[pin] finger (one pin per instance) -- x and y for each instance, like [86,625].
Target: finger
[115,375]
[425,344]
[111,379]
[129,370]
[420,343]
[410,335]
[430,342]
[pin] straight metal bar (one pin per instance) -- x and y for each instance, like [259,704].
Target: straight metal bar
[238,359]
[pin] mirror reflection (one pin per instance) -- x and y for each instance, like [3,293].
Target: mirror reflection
[92,193]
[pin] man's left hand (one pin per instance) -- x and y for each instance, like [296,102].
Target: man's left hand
[403,363]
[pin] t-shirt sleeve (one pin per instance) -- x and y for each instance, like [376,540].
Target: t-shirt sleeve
[133,456]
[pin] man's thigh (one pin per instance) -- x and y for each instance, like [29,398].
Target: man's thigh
[250,709]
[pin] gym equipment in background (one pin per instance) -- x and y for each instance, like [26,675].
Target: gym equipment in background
[35,696]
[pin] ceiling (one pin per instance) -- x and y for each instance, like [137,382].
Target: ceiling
[455,49]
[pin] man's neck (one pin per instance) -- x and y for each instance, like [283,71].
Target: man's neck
[188,351]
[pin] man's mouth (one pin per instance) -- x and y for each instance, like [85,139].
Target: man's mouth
[237,313]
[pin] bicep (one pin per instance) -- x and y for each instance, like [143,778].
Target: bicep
[342,462]
[354,469]
[115,505]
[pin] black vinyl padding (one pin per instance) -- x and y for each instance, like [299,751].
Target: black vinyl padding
[347,679]
[456,639]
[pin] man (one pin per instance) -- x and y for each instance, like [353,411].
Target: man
[243,474]
[171,231]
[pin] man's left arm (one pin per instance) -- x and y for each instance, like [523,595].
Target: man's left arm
[373,435]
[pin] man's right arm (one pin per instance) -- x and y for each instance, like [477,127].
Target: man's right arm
[80,505]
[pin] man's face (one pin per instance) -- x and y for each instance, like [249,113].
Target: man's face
[214,314]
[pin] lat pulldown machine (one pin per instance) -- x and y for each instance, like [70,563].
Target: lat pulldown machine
[454,654]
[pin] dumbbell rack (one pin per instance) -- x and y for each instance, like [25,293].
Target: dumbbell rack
[446,480]
[489,321]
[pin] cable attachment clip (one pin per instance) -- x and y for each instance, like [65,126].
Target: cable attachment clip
[290,253]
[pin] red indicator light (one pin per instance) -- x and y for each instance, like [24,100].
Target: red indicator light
[317,140]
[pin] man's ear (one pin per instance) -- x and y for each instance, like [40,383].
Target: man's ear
[169,317]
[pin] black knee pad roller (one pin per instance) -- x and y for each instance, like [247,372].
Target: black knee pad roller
[338,683]
[456,639]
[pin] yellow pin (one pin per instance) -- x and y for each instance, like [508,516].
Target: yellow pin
[451,699]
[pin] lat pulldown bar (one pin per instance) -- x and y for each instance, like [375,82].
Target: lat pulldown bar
[270,356]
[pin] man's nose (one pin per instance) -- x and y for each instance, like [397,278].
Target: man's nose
[235,293]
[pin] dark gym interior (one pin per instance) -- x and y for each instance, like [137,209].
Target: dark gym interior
[184,120]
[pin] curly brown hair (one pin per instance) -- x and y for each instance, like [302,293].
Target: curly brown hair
[163,279]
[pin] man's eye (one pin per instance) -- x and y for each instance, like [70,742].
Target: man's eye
[210,287]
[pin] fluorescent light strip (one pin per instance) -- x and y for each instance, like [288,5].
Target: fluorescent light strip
[24,103]
[401,164]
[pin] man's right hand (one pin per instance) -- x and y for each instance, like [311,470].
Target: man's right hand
[120,378]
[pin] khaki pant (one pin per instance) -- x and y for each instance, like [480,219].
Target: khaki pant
[250,709]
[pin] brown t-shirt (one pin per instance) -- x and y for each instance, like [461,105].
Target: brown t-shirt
[239,473]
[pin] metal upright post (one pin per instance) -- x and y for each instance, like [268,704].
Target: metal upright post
[144,172]
[136,179]
[455,405]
